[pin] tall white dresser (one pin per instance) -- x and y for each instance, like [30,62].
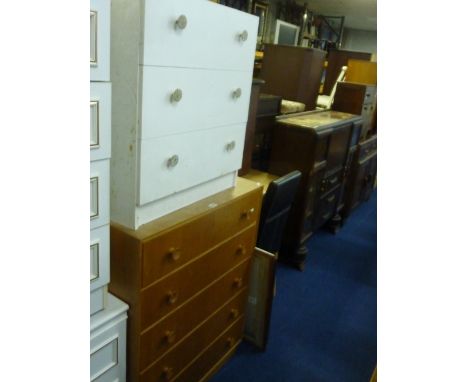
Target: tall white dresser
[181,73]
[108,314]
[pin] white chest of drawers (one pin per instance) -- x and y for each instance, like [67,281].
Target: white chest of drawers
[108,314]
[181,78]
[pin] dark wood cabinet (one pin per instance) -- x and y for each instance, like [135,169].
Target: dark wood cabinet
[356,98]
[320,144]
[336,59]
[293,73]
[361,179]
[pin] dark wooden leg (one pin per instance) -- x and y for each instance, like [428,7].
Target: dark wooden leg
[335,223]
[294,258]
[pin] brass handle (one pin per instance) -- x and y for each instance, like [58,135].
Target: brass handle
[231,146]
[234,313]
[230,341]
[167,373]
[243,36]
[240,250]
[176,96]
[173,161]
[237,93]
[181,22]
[169,336]
[238,282]
[174,254]
[172,297]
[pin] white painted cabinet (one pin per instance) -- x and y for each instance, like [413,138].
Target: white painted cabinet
[181,79]
[99,22]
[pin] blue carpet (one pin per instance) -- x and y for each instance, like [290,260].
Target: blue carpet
[324,320]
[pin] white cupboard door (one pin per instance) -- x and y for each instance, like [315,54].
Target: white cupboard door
[99,56]
[198,34]
[100,120]
[175,163]
[176,100]
[99,274]
[99,193]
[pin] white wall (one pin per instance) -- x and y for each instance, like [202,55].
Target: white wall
[359,40]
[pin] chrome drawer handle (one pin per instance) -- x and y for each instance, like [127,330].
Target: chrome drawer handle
[243,36]
[172,161]
[236,94]
[181,22]
[176,96]
[231,146]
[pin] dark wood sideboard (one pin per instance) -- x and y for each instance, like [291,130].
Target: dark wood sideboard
[294,73]
[320,144]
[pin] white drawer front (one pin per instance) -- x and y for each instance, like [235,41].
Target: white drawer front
[209,98]
[97,300]
[99,193]
[210,39]
[175,163]
[99,257]
[100,120]
[108,353]
[99,56]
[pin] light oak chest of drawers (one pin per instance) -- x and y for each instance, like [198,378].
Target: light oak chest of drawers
[181,80]
[185,277]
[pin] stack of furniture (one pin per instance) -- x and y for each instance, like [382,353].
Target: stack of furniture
[321,145]
[185,278]
[182,76]
[293,73]
[108,314]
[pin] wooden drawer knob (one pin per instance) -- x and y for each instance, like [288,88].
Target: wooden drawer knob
[240,250]
[169,336]
[230,342]
[172,297]
[174,254]
[238,282]
[181,22]
[167,373]
[234,313]
[245,215]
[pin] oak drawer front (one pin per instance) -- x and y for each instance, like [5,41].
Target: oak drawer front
[99,257]
[107,360]
[202,365]
[198,34]
[180,100]
[99,193]
[100,121]
[163,298]
[97,300]
[175,248]
[171,331]
[173,163]
[175,361]
[367,147]
[99,56]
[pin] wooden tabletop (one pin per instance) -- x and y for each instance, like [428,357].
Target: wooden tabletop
[261,178]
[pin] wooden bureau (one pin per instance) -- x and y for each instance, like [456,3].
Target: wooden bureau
[185,276]
[321,145]
[357,98]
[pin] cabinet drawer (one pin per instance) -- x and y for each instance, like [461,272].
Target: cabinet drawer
[173,249]
[206,99]
[225,344]
[99,257]
[367,147]
[99,193]
[97,300]
[100,120]
[330,182]
[327,206]
[99,56]
[210,38]
[162,298]
[107,359]
[174,362]
[170,331]
[175,163]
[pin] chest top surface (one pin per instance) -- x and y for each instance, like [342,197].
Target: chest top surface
[317,120]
